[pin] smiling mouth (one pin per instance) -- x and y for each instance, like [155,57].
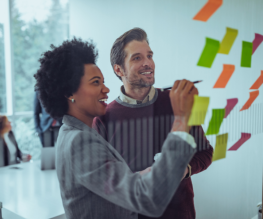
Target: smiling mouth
[146,73]
[102,101]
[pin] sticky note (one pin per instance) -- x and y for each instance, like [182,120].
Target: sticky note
[208,10]
[258,82]
[252,96]
[246,55]
[257,41]
[225,75]
[215,122]
[242,140]
[228,40]
[230,105]
[220,148]
[209,53]
[199,110]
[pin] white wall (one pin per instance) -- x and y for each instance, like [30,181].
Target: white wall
[231,187]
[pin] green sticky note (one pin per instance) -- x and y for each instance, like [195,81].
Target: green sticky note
[246,55]
[199,110]
[209,53]
[220,148]
[228,40]
[215,122]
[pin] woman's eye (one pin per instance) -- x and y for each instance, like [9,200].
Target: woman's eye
[96,82]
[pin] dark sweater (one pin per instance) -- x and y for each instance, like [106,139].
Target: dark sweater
[137,132]
[6,151]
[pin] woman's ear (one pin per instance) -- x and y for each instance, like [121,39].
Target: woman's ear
[70,98]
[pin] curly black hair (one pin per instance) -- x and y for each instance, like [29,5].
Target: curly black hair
[60,72]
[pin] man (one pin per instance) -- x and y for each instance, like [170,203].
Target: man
[137,122]
[46,127]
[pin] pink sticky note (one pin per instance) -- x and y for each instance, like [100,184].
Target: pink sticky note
[256,42]
[242,140]
[230,105]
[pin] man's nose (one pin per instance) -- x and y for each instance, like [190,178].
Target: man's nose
[147,62]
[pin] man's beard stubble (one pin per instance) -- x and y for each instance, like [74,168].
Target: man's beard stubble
[139,83]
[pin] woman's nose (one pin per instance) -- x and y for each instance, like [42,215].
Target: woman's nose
[105,89]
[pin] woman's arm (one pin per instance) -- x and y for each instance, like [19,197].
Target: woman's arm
[100,168]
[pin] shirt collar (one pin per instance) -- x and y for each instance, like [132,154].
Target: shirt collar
[126,99]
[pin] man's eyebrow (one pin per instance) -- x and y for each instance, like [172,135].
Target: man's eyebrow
[135,54]
[95,77]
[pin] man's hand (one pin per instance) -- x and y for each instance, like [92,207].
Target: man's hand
[147,170]
[185,173]
[182,98]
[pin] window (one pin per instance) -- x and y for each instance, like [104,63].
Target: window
[27,29]
[35,25]
[2,72]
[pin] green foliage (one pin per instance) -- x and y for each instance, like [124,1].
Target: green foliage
[29,41]
[2,72]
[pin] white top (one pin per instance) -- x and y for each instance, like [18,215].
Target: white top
[124,98]
[11,148]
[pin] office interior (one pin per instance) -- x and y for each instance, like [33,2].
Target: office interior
[231,187]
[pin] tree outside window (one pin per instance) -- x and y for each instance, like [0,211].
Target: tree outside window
[35,25]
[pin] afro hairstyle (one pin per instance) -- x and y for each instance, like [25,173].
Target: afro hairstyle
[60,73]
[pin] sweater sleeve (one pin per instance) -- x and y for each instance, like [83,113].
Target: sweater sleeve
[203,158]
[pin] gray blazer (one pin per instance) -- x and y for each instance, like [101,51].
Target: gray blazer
[96,183]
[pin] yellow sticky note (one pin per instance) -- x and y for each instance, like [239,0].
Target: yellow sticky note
[228,40]
[220,148]
[199,110]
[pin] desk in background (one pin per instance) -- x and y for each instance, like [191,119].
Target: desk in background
[30,193]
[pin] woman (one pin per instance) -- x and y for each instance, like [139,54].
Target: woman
[95,181]
[11,153]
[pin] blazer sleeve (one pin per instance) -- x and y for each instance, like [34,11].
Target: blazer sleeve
[99,126]
[203,158]
[37,111]
[106,174]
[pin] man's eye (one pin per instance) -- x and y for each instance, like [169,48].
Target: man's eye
[150,56]
[137,58]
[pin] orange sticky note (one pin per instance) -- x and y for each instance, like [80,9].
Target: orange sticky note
[252,96]
[224,77]
[208,10]
[258,82]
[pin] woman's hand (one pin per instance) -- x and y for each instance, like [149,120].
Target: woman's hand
[26,157]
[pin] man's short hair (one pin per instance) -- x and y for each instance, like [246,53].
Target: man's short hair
[118,54]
